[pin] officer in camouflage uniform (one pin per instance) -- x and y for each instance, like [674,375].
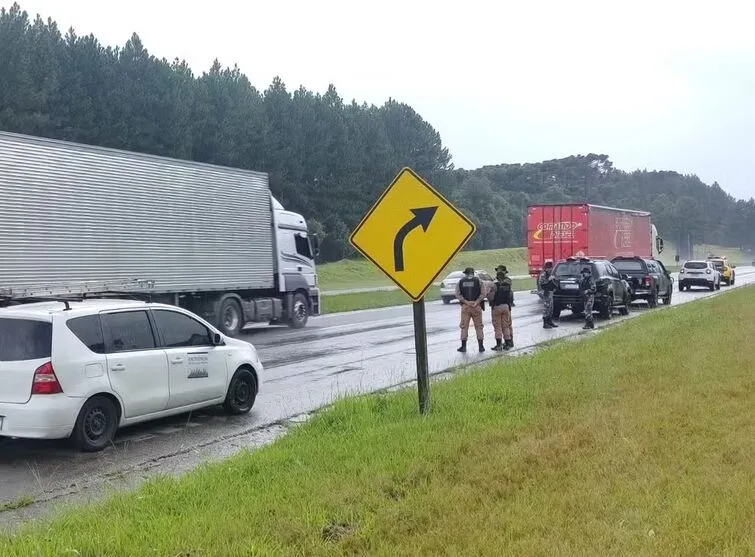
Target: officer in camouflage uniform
[471,293]
[547,283]
[500,305]
[588,288]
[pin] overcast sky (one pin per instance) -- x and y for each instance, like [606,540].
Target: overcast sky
[656,85]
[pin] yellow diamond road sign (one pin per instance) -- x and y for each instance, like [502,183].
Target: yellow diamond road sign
[411,233]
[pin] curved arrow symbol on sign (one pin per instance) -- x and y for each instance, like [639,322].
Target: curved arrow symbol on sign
[422,217]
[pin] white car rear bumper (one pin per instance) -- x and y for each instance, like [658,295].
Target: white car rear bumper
[43,417]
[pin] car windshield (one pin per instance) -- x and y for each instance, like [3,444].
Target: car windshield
[24,339]
[629,265]
[695,265]
[455,275]
[568,269]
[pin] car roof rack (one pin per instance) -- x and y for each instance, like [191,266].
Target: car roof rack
[79,291]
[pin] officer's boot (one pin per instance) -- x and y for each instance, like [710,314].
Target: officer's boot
[550,320]
[592,324]
[587,325]
[463,347]
[546,323]
[509,344]
[482,347]
[498,346]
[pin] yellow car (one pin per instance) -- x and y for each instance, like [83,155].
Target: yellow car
[728,275]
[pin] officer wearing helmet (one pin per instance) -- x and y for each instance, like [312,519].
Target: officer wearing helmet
[547,283]
[470,292]
[500,305]
[588,288]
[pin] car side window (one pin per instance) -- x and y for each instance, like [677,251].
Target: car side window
[613,270]
[89,331]
[128,331]
[179,330]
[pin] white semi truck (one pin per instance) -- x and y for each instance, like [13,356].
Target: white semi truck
[83,221]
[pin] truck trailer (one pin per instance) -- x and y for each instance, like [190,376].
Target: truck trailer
[555,232]
[84,221]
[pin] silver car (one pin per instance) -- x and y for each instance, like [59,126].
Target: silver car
[448,286]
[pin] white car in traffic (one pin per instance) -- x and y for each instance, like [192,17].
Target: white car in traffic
[82,369]
[448,286]
[699,272]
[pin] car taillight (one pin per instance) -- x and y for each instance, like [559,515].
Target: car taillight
[45,381]
[646,281]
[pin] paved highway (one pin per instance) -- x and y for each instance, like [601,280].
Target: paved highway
[334,356]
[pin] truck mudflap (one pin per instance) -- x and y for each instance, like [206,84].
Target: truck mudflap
[315,301]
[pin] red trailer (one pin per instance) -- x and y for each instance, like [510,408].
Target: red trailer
[555,232]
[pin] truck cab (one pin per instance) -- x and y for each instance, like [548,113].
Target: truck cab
[296,251]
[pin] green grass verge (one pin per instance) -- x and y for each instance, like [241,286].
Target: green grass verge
[361,273]
[637,441]
[372,300]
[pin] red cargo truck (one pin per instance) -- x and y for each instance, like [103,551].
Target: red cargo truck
[555,232]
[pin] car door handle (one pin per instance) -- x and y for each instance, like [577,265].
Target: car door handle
[117,367]
[177,360]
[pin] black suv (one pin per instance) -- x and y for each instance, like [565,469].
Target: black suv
[648,279]
[612,293]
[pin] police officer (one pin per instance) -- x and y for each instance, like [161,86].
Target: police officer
[588,288]
[470,292]
[547,283]
[500,306]
[503,268]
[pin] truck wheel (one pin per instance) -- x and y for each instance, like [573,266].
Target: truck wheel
[667,299]
[231,319]
[96,425]
[299,311]
[733,278]
[242,392]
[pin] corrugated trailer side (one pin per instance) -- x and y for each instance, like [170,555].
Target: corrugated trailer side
[72,213]
[555,232]
[619,232]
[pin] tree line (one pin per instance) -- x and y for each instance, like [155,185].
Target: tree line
[326,158]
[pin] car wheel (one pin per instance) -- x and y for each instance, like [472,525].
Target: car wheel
[556,311]
[231,319]
[299,311]
[718,285]
[446,300]
[667,299]
[606,309]
[242,392]
[96,424]
[653,300]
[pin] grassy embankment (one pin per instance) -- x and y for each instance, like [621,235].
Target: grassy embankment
[345,275]
[637,441]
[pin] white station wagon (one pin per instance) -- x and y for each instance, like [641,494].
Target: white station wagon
[82,369]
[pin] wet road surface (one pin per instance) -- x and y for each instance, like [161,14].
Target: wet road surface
[336,355]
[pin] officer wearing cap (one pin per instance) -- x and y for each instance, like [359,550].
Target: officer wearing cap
[500,305]
[588,288]
[470,292]
[547,283]
[502,268]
